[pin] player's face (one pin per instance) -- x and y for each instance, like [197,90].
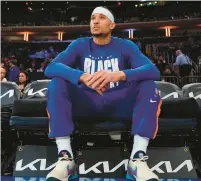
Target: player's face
[100,25]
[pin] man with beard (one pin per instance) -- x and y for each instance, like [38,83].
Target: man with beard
[102,77]
[14,71]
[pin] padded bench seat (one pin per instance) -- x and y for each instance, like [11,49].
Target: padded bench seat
[41,123]
[29,123]
[176,115]
[6,112]
[172,108]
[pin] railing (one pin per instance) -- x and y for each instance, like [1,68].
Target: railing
[171,79]
[195,68]
[191,79]
[181,81]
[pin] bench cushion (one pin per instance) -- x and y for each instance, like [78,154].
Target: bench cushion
[41,123]
[171,108]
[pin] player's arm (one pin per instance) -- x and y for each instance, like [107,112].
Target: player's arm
[61,66]
[141,67]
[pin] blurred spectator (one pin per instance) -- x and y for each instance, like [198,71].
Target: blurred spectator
[14,71]
[42,67]
[183,64]
[23,81]
[3,75]
[168,71]
[21,67]
[168,75]
[33,67]
[161,64]
[3,65]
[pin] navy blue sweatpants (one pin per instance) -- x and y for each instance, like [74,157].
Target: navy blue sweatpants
[139,102]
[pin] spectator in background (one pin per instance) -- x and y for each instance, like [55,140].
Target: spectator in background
[3,75]
[14,71]
[23,81]
[183,64]
[52,53]
[169,75]
[3,65]
[168,71]
[161,64]
[33,67]
[21,67]
[42,67]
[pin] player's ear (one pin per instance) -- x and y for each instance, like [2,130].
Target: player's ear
[112,26]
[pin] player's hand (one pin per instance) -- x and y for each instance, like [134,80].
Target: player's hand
[85,79]
[102,78]
[103,89]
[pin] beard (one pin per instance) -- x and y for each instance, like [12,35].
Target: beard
[100,35]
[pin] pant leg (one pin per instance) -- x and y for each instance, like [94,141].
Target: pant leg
[67,102]
[146,110]
[185,70]
[140,102]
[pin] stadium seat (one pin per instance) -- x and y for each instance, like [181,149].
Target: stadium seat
[9,93]
[169,90]
[30,111]
[178,113]
[193,90]
[36,89]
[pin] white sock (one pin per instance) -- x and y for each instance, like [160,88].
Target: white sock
[139,144]
[63,143]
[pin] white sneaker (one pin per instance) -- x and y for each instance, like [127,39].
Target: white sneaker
[138,170]
[64,170]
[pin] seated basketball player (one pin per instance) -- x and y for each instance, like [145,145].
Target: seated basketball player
[79,89]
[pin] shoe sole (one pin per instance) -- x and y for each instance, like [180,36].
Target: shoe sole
[70,177]
[73,177]
[130,177]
